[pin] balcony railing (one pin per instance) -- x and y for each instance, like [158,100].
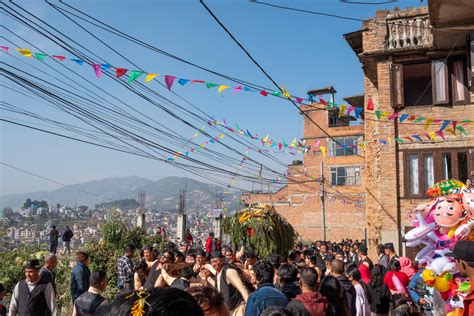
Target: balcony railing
[409,33]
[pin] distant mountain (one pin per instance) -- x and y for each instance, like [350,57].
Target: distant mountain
[161,194]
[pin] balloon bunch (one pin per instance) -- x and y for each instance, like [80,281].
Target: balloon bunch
[439,224]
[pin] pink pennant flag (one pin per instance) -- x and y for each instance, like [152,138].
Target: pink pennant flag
[97,70]
[237,89]
[4,48]
[197,81]
[350,109]
[299,100]
[169,81]
[264,93]
[440,134]
[393,116]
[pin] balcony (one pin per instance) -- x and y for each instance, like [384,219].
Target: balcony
[409,32]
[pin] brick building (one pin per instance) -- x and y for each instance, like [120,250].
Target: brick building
[418,62]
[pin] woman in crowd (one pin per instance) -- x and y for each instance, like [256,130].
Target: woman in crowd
[210,300]
[362,293]
[396,280]
[380,295]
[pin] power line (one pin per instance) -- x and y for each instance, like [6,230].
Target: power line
[53,181]
[267,75]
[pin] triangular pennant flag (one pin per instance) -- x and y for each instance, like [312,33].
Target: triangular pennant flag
[40,56]
[150,77]
[247,88]
[276,93]
[417,137]
[97,70]
[411,118]
[350,109]
[444,125]
[284,143]
[5,48]
[418,120]
[403,117]
[428,123]
[197,81]
[279,146]
[399,140]
[378,113]
[384,114]
[440,134]
[134,74]
[222,88]
[211,85]
[237,126]
[408,138]
[119,72]
[461,129]
[342,109]
[358,111]
[393,116]
[80,62]
[25,52]
[310,98]
[450,130]
[237,89]
[105,66]
[183,82]
[285,93]
[321,101]
[299,100]
[331,105]
[323,150]
[370,104]
[455,123]
[169,81]
[61,58]
[433,136]
[264,93]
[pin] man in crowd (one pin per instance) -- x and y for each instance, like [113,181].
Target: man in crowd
[80,275]
[287,274]
[382,257]
[47,272]
[210,247]
[390,252]
[149,256]
[266,295]
[365,264]
[463,252]
[323,251]
[125,270]
[337,271]
[310,302]
[67,237]
[228,283]
[53,240]
[33,296]
[88,302]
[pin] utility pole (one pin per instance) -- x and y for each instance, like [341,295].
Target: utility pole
[323,207]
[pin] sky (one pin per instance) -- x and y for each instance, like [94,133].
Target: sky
[300,51]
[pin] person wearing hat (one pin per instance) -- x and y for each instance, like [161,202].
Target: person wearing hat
[365,263]
[228,283]
[391,254]
[80,275]
[463,252]
[33,295]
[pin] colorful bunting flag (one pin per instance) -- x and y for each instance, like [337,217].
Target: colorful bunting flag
[61,58]
[211,85]
[428,123]
[169,81]
[222,88]
[80,62]
[25,52]
[183,82]
[97,70]
[40,56]
[134,74]
[5,48]
[105,67]
[150,77]
[197,81]
[403,117]
[237,89]
[264,93]
[370,104]
[119,72]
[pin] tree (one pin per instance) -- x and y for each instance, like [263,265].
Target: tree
[83,208]
[27,203]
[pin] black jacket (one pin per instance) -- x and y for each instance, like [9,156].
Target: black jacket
[349,293]
[290,290]
[380,299]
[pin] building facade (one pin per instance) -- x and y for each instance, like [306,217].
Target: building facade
[418,72]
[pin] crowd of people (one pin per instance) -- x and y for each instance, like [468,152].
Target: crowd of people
[323,278]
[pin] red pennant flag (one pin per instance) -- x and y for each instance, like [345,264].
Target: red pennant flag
[370,104]
[279,146]
[197,81]
[264,93]
[412,118]
[455,123]
[61,58]
[321,101]
[299,100]
[408,138]
[119,72]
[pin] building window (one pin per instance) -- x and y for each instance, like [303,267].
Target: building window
[336,121]
[440,82]
[345,146]
[346,176]
[423,168]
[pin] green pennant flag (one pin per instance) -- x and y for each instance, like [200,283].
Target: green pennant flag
[134,74]
[330,105]
[399,140]
[418,120]
[378,113]
[276,93]
[40,56]
[211,85]
[238,127]
[461,129]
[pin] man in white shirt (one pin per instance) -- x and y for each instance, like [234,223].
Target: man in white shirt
[33,296]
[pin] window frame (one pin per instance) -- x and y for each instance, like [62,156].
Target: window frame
[437,167]
[331,171]
[434,83]
[341,139]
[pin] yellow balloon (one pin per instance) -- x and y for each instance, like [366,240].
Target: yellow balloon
[427,275]
[441,285]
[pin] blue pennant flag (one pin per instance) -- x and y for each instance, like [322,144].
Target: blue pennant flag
[358,111]
[183,81]
[105,66]
[78,61]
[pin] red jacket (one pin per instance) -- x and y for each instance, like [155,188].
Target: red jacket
[469,303]
[209,244]
[314,303]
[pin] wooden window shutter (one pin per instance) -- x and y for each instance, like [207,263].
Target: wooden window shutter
[439,76]
[458,82]
[397,86]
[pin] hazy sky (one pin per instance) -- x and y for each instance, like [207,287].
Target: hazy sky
[300,51]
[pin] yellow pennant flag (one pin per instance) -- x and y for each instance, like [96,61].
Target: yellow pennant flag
[428,123]
[25,52]
[342,110]
[323,150]
[384,115]
[150,77]
[285,93]
[433,136]
[450,130]
[221,136]
[222,88]
[265,139]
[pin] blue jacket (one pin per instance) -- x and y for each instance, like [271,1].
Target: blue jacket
[79,280]
[265,296]
[415,281]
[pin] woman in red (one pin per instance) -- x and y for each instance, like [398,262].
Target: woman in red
[396,280]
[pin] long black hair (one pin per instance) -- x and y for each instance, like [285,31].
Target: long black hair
[331,290]
[376,276]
